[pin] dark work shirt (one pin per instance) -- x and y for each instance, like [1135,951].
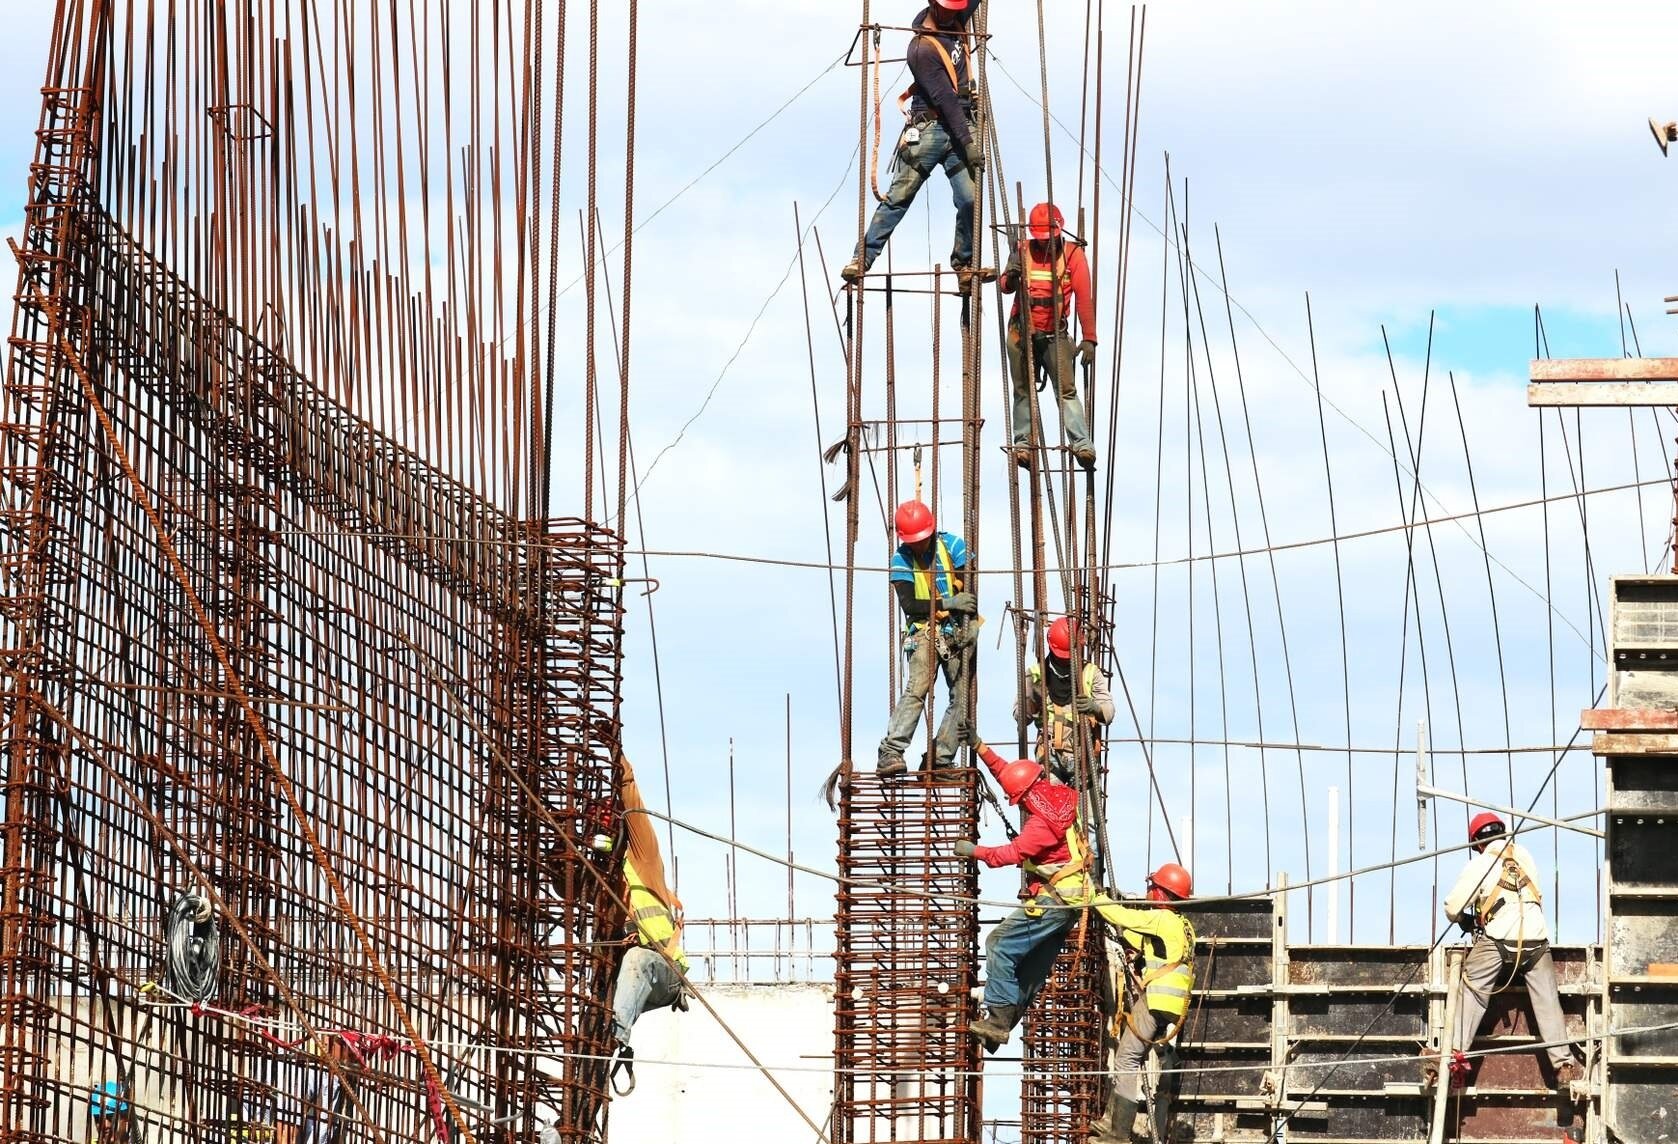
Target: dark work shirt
[933,91]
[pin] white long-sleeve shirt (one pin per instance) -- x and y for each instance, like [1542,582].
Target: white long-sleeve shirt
[1521,917]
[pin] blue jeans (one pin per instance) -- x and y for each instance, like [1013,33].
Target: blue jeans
[1021,951]
[918,652]
[645,981]
[915,162]
[1051,353]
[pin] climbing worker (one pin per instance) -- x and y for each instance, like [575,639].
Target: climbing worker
[651,973]
[940,133]
[939,629]
[1050,846]
[1496,898]
[1090,704]
[110,1114]
[1156,997]
[1057,280]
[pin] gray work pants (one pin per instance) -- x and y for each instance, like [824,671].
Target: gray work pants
[645,981]
[919,652]
[1133,1050]
[1486,968]
[1052,354]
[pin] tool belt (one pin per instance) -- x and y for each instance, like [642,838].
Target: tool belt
[1520,957]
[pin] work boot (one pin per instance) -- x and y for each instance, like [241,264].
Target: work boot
[966,274]
[1118,1124]
[993,1028]
[890,766]
[1085,455]
[1021,455]
[854,270]
[1566,1073]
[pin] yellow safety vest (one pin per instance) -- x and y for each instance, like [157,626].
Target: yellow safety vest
[1166,939]
[655,926]
[1060,720]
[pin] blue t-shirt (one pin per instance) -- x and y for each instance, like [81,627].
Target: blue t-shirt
[932,570]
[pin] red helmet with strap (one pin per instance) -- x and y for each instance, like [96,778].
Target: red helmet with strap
[1046,222]
[1061,634]
[1018,777]
[914,522]
[1172,879]
[1485,826]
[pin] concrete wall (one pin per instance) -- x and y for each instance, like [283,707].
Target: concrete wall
[787,1026]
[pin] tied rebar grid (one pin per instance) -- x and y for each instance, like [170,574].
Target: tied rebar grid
[1061,1091]
[905,1063]
[425,668]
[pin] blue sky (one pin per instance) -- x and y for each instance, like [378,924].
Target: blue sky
[1390,161]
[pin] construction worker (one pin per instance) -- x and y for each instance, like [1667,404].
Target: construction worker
[1156,996]
[651,973]
[1057,280]
[1496,898]
[940,133]
[1089,704]
[939,627]
[110,1114]
[1050,846]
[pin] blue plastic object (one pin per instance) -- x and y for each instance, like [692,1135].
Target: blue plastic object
[106,1100]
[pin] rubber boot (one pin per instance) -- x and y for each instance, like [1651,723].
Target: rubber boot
[993,1028]
[1117,1124]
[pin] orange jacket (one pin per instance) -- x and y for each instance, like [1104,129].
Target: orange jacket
[1040,266]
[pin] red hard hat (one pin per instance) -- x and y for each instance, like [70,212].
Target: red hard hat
[1481,822]
[1173,879]
[952,5]
[914,522]
[1017,777]
[1060,637]
[1046,221]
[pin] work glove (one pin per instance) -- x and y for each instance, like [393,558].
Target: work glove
[1084,705]
[965,848]
[962,603]
[1086,353]
[974,153]
[1010,279]
[1469,921]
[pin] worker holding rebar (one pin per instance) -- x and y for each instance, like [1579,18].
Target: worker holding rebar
[941,132]
[653,967]
[1496,899]
[1056,277]
[1159,943]
[940,625]
[1063,709]
[1051,847]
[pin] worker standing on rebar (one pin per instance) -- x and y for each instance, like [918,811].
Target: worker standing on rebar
[1156,992]
[1496,898]
[1087,707]
[1021,950]
[940,133]
[1056,276]
[939,627]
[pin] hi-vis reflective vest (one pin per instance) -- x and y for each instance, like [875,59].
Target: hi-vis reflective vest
[1040,289]
[924,584]
[655,926]
[1060,720]
[1166,941]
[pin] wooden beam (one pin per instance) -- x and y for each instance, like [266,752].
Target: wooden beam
[1627,743]
[1628,719]
[1604,369]
[1598,394]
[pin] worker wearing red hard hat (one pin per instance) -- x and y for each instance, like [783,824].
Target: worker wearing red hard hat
[1156,994]
[1497,899]
[939,133]
[1061,710]
[938,631]
[1056,277]
[1050,846]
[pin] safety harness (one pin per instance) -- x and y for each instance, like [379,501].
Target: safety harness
[1513,884]
[1060,720]
[1173,978]
[1041,278]
[929,31]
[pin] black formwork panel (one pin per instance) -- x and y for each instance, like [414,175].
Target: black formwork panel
[1227,1043]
